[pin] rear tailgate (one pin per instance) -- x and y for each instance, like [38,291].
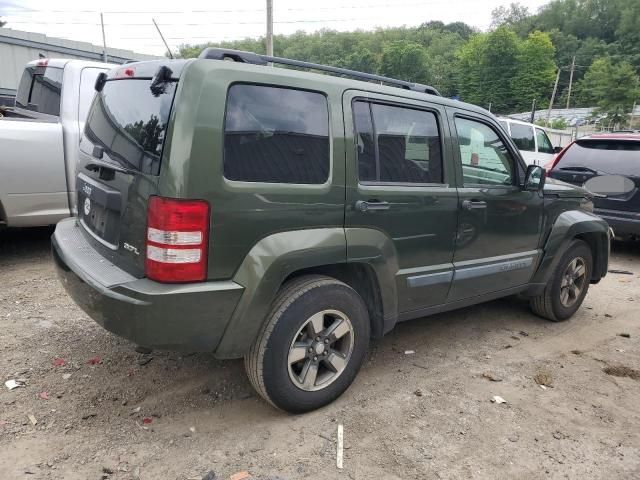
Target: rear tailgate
[121,157]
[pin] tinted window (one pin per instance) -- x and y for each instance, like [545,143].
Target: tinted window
[616,157]
[87,91]
[396,144]
[40,89]
[276,135]
[130,123]
[544,144]
[485,158]
[523,137]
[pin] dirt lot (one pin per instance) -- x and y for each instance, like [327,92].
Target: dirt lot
[425,415]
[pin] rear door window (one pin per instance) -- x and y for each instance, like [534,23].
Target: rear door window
[40,89]
[276,135]
[523,137]
[397,144]
[614,157]
[544,144]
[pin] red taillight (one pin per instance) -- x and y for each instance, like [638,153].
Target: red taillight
[177,240]
[549,166]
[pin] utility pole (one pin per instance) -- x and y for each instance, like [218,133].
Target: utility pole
[633,109]
[489,107]
[573,67]
[533,111]
[270,28]
[553,96]
[162,37]
[104,40]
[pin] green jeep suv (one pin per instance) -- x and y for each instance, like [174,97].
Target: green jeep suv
[290,217]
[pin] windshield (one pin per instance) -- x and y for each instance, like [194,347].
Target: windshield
[130,123]
[39,90]
[615,157]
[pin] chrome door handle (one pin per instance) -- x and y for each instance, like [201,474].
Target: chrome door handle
[473,204]
[363,206]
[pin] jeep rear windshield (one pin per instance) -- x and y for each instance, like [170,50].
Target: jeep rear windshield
[130,122]
[614,157]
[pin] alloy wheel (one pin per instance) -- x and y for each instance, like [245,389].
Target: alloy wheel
[320,351]
[573,282]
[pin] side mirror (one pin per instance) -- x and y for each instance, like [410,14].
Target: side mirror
[534,178]
[610,185]
[557,150]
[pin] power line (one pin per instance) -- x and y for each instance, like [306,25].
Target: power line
[192,24]
[297,9]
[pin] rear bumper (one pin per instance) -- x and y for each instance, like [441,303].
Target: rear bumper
[623,223]
[189,317]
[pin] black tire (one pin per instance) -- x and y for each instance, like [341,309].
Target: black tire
[267,362]
[549,304]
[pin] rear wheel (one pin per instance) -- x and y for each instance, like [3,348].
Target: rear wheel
[311,346]
[568,286]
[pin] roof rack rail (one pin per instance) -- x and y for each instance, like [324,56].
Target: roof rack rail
[212,53]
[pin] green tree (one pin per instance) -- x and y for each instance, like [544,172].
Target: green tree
[509,16]
[487,65]
[628,32]
[582,18]
[470,65]
[536,71]
[362,60]
[405,60]
[443,62]
[612,86]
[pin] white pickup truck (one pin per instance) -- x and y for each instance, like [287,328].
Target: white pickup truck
[39,141]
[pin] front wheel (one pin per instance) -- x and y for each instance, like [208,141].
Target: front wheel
[311,346]
[568,285]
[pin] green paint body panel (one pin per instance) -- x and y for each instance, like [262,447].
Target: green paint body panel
[419,252]
[170,316]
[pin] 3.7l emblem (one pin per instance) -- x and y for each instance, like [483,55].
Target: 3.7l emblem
[131,248]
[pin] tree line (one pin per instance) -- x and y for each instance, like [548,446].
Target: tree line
[507,67]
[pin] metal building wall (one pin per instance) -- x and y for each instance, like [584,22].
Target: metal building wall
[18,48]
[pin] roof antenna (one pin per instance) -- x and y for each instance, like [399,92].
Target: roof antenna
[162,37]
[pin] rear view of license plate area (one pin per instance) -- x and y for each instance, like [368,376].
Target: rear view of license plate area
[99,209]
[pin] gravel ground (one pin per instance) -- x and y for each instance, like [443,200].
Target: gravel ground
[103,411]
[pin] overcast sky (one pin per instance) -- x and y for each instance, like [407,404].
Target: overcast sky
[128,22]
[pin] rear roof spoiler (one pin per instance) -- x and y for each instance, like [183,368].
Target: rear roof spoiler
[212,53]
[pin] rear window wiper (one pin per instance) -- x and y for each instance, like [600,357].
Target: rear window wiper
[160,80]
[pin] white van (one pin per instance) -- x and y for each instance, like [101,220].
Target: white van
[531,140]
